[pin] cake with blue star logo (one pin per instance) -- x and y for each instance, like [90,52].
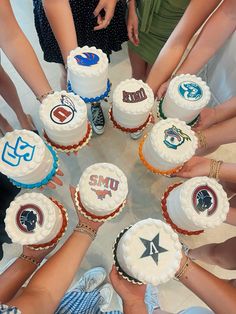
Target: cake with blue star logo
[185,97]
[148,252]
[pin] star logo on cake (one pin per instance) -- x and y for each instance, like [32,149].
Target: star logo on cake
[152,248]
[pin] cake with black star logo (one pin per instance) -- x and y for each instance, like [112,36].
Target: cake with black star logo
[148,252]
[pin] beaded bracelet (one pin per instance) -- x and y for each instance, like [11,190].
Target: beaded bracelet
[215,169]
[29,259]
[202,139]
[83,228]
[42,97]
[180,273]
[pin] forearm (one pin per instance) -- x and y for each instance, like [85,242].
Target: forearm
[61,21]
[228,172]
[226,110]
[216,293]
[231,217]
[138,307]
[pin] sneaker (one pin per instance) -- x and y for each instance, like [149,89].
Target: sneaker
[91,280]
[136,135]
[106,292]
[151,298]
[98,120]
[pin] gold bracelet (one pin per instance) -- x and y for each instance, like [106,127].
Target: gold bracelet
[29,259]
[180,273]
[215,169]
[83,228]
[42,97]
[202,139]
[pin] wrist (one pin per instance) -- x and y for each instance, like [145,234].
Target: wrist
[30,260]
[134,304]
[85,228]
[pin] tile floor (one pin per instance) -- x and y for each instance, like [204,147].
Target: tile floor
[145,189]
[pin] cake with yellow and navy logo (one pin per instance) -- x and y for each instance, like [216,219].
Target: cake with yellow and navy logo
[169,144]
[88,73]
[102,191]
[26,160]
[34,219]
[198,203]
[64,119]
[148,252]
[186,96]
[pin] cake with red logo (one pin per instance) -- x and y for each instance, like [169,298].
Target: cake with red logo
[65,122]
[148,252]
[132,104]
[186,96]
[198,203]
[102,191]
[26,160]
[34,219]
[88,73]
[170,143]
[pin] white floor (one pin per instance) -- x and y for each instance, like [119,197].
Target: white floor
[145,189]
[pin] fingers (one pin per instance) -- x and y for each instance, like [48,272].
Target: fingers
[72,193]
[57,181]
[98,8]
[60,173]
[133,35]
[103,23]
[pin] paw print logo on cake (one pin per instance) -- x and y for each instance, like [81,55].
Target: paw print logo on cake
[175,137]
[63,113]
[28,217]
[205,200]
[190,91]
[87,59]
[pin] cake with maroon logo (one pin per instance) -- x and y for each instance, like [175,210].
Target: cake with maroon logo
[36,220]
[102,191]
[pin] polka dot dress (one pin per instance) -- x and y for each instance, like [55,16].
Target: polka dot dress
[109,39]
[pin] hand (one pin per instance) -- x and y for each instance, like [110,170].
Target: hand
[132,27]
[195,167]
[109,7]
[93,224]
[207,119]
[162,89]
[38,255]
[55,181]
[75,153]
[130,293]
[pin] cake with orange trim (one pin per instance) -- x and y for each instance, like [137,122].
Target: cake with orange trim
[34,219]
[102,191]
[169,144]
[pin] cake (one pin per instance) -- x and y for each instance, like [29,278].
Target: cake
[132,104]
[148,252]
[199,203]
[64,118]
[186,96]
[26,159]
[170,143]
[34,219]
[88,73]
[102,191]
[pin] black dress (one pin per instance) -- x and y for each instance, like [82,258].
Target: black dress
[109,39]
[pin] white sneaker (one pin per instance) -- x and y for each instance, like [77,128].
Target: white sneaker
[136,135]
[106,292]
[151,298]
[91,280]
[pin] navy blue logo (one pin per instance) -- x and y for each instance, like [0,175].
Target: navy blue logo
[28,217]
[204,200]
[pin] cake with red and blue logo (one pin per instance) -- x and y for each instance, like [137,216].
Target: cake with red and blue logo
[34,219]
[64,119]
[185,97]
[26,159]
[102,191]
[88,73]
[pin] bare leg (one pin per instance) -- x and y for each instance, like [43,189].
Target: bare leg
[220,254]
[63,78]
[139,66]
[4,125]
[9,93]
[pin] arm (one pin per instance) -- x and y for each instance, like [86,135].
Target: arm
[109,7]
[132,23]
[168,59]
[19,51]
[60,18]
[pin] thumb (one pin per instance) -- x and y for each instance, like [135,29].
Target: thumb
[97,10]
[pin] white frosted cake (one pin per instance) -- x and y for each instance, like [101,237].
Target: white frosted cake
[103,189]
[88,71]
[169,144]
[25,158]
[132,103]
[186,96]
[64,118]
[149,252]
[198,203]
[33,219]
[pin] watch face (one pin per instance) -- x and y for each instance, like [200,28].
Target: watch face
[204,200]
[28,217]
[190,91]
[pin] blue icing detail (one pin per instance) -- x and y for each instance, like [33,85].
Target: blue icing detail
[12,155]
[46,179]
[190,91]
[95,99]
[175,137]
[89,59]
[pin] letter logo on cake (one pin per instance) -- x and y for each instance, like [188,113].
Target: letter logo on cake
[204,200]
[12,155]
[63,113]
[175,137]
[28,217]
[134,97]
[190,91]
[108,184]
[87,59]
[152,248]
